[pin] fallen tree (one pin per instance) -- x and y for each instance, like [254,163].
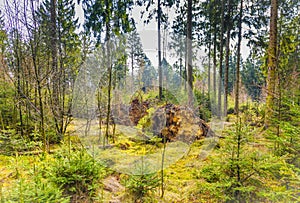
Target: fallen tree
[174,122]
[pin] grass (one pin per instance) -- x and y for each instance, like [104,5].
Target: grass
[181,160]
[132,154]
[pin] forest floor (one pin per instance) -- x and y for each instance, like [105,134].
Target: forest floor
[132,148]
[179,175]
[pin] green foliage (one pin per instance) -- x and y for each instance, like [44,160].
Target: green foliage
[77,173]
[3,35]
[11,142]
[141,185]
[39,191]
[285,136]
[27,182]
[145,122]
[7,113]
[149,74]
[253,78]
[135,50]
[52,136]
[68,59]
[204,105]
[150,95]
[244,171]
[169,97]
[110,12]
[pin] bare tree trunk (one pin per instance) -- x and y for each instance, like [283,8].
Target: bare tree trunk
[11,7]
[109,68]
[185,69]
[34,51]
[19,89]
[221,62]
[227,57]
[272,64]
[189,54]
[214,72]
[180,70]
[237,80]
[62,89]
[209,70]
[132,76]
[159,50]
[99,95]
[55,77]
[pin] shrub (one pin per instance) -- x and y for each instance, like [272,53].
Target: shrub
[30,184]
[142,182]
[35,191]
[240,171]
[145,122]
[77,173]
[140,186]
[204,105]
[11,142]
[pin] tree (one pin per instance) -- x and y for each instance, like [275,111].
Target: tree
[215,30]
[135,49]
[238,172]
[65,59]
[114,20]
[237,80]
[35,54]
[272,65]
[54,63]
[211,11]
[189,53]
[161,18]
[180,39]
[149,74]
[159,50]
[229,27]
[15,65]
[178,42]
[7,90]
[221,60]
[252,77]
[178,45]
[69,59]
[120,66]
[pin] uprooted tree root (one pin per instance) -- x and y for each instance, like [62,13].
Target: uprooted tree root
[175,122]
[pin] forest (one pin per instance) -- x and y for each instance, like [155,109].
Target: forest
[149,101]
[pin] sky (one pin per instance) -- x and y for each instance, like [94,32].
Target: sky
[148,35]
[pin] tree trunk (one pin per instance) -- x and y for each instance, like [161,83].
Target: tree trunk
[132,67]
[180,70]
[61,79]
[19,90]
[34,45]
[55,73]
[238,154]
[221,62]
[227,57]
[99,105]
[189,54]
[237,80]
[272,64]
[109,69]
[159,51]
[209,69]
[214,71]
